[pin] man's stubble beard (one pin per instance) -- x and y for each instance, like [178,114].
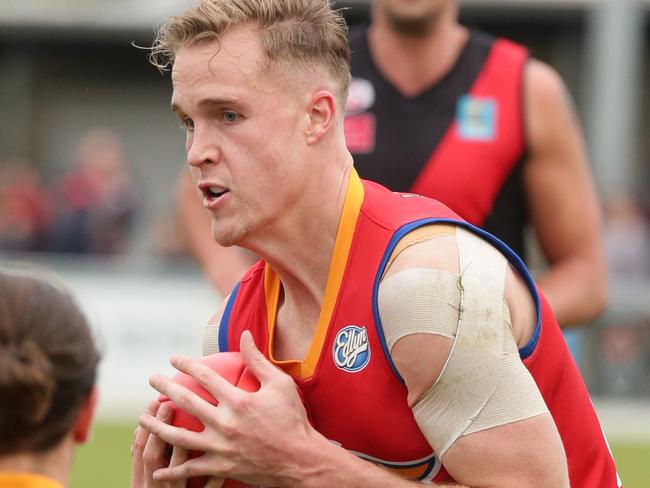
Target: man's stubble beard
[413,26]
[228,236]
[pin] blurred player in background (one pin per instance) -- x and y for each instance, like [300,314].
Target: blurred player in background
[96,198]
[418,341]
[470,120]
[48,365]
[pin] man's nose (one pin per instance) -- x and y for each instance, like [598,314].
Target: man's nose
[203,150]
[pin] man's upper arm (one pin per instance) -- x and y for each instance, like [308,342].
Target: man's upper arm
[563,205]
[557,177]
[523,454]
[475,403]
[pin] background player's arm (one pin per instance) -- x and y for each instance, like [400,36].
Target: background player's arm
[223,266]
[563,204]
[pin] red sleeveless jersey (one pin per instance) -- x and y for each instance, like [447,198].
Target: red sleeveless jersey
[461,141]
[351,388]
[484,143]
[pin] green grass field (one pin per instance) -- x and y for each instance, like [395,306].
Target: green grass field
[105,462]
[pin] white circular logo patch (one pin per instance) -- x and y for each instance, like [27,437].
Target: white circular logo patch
[351,349]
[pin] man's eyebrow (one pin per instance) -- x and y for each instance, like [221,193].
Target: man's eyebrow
[218,101]
[208,103]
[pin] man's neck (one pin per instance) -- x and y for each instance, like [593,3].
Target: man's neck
[300,247]
[302,262]
[415,63]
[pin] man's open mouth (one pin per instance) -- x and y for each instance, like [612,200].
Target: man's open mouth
[214,192]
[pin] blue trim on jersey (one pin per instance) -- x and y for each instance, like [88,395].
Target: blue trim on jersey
[432,464]
[225,320]
[512,257]
[431,461]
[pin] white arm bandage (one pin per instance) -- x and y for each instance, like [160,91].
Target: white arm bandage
[483,383]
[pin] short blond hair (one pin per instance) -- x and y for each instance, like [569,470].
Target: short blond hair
[299,32]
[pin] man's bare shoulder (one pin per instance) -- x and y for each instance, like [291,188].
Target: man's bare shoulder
[550,107]
[419,358]
[433,246]
[436,259]
[544,83]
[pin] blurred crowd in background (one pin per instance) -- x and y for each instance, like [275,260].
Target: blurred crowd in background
[626,235]
[89,209]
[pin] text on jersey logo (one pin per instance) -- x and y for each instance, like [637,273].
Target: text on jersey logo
[351,349]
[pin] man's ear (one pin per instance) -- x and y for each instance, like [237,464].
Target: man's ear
[83,424]
[322,113]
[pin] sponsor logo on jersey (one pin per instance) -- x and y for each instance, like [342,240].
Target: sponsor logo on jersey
[361,96]
[351,349]
[477,118]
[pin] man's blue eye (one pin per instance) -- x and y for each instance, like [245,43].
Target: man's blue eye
[230,116]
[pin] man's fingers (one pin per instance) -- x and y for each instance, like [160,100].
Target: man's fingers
[168,434]
[154,450]
[199,466]
[136,444]
[141,435]
[254,360]
[140,438]
[179,456]
[213,382]
[152,407]
[214,482]
[185,399]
